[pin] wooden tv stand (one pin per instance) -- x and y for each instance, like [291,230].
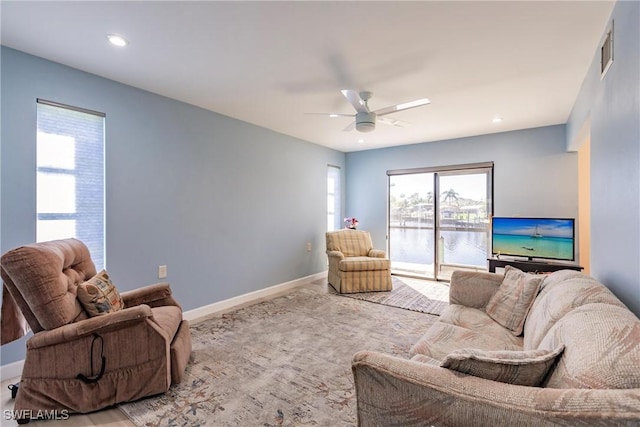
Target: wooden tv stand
[531,266]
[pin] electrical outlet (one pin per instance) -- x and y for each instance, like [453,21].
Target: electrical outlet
[308,246]
[162,272]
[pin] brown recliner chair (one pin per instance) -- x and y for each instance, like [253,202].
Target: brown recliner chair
[83,364]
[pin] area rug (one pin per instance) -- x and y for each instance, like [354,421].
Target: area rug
[281,362]
[411,294]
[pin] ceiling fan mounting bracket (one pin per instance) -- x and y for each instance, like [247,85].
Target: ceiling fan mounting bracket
[366,95]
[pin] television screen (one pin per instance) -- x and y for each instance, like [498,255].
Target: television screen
[549,238]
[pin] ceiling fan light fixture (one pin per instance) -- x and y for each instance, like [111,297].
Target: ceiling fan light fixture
[365,127]
[365,122]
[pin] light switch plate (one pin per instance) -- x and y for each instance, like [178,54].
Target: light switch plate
[162,272]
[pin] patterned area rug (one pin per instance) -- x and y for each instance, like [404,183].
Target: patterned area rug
[411,294]
[281,362]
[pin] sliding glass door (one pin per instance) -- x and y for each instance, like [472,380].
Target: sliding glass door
[439,219]
[464,209]
[411,223]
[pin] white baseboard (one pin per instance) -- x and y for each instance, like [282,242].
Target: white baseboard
[207,310]
[14,370]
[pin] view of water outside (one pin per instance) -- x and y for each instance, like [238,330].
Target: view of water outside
[463,215]
[415,246]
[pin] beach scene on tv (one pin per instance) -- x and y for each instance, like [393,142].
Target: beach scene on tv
[534,238]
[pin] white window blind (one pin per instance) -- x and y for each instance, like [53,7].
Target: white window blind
[333,198]
[70,176]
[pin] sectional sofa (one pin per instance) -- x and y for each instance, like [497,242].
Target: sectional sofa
[512,349]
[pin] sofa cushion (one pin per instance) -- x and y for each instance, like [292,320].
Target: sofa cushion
[511,303]
[479,321]
[527,368]
[362,263]
[553,278]
[99,295]
[473,288]
[602,348]
[443,338]
[562,291]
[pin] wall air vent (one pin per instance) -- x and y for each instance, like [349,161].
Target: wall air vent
[606,52]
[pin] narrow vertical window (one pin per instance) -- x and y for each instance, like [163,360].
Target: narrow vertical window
[333,198]
[70,176]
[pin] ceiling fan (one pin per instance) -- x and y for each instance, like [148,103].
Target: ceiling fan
[365,119]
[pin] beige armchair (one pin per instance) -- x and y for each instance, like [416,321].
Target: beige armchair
[354,266]
[82,364]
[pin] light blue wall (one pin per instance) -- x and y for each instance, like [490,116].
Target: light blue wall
[227,206]
[533,174]
[612,106]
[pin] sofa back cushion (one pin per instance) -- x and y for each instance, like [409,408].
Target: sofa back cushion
[601,348]
[349,242]
[562,292]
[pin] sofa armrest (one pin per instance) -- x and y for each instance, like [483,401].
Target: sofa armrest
[395,391]
[473,288]
[377,253]
[335,254]
[156,295]
[82,328]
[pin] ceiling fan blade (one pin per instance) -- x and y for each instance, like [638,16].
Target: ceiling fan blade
[354,99]
[351,127]
[402,107]
[330,114]
[393,122]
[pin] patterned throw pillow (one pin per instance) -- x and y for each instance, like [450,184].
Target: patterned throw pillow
[527,368]
[99,295]
[510,305]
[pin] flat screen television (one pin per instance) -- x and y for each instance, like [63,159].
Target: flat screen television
[546,238]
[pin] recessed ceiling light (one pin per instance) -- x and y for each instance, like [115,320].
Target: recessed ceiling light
[361,141]
[333,115]
[497,119]
[117,40]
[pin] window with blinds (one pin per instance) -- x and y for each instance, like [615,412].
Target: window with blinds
[333,198]
[70,176]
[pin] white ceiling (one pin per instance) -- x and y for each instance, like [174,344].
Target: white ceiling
[269,63]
